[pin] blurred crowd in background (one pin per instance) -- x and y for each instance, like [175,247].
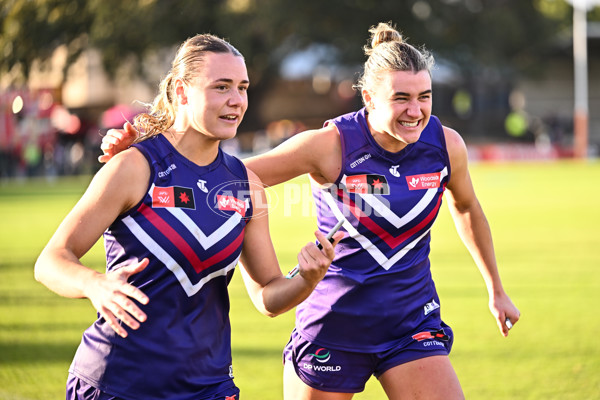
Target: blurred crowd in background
[71,70]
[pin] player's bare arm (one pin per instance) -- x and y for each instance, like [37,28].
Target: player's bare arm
[270,291]
[315,152]
[474,230]
[116,187]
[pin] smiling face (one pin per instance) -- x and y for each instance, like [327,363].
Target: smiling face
[215,102]
[399,105]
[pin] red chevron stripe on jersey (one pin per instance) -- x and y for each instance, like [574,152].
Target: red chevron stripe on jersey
[384,235]
[184,247]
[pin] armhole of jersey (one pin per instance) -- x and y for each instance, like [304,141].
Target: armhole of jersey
[250,211]
[239,169]
[146,155]
[442,138]
[344,149]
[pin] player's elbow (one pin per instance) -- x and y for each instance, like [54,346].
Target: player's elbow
[270,310]
[271,314]
[38,270]
[42,267]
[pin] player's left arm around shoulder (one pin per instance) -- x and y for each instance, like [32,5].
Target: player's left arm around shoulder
[271,293]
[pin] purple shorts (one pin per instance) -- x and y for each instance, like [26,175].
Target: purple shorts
[332,370]
[78,389]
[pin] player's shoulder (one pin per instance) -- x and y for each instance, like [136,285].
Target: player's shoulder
[454,142]
[127,165]
[328,133]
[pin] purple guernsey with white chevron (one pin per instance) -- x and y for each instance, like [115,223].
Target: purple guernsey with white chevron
[379,287]
[190,224]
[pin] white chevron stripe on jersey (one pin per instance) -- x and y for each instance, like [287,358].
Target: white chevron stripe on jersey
[164,257]
[384,210]
[386,263]
[205,241]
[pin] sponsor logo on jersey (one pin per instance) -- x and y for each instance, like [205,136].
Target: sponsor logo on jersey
[424,181]
[431,306]
[173,196]
[431,335]
[162,174]
[367,184]
[360,160]
[202,185]
[230,203]
[240,191]
[394,171]
[231,397]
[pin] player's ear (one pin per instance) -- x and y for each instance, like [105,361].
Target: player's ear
[367,99]
[180,91]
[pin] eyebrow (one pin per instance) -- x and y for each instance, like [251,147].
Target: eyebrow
[227,80]
[428,91]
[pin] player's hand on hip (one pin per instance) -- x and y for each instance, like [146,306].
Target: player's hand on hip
[112,297]
[314,262]
[117,140]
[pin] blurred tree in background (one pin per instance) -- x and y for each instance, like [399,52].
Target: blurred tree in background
[481,39]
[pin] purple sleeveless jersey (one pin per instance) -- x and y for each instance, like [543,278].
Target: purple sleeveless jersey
[190,224]
[379,287]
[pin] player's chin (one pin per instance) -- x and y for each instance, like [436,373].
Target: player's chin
[410,137]
[224,134]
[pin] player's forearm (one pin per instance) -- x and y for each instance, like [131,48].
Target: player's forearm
[282,294]
[61,272]
[475,232]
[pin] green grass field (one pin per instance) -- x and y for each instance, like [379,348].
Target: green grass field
[546,224]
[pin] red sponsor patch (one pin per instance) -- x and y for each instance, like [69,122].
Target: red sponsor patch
[230,203]
[173,196]
[367,183]
[438,334]
[422,336]
[424,181]
[357,184]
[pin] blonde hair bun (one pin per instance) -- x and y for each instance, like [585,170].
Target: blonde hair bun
[383,33]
